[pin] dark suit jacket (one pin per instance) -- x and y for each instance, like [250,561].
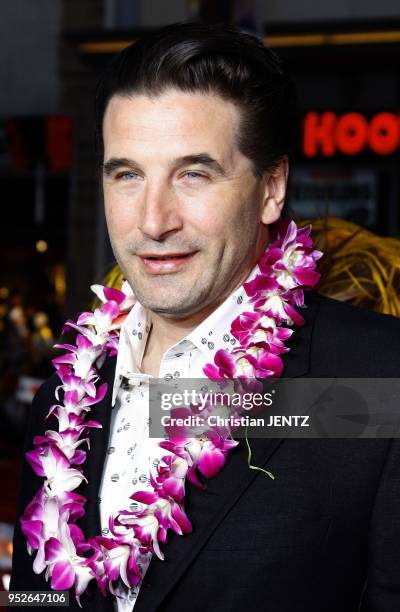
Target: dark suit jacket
[324,536]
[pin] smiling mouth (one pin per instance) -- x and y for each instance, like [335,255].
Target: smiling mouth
[165,264]
[168,256]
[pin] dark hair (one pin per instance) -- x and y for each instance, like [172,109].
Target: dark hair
[211,59]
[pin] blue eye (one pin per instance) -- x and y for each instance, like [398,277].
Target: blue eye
[192,174]
[127,175]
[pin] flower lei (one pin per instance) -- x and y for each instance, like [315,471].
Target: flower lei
[49,522]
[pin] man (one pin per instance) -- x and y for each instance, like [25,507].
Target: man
[194,127]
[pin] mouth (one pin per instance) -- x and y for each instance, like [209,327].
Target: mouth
[165,264]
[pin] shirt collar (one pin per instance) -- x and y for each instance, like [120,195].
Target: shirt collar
[131,345]
[208,337]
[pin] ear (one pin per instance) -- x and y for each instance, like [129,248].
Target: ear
[275,183]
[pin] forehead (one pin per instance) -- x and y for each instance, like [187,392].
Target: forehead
[172,123]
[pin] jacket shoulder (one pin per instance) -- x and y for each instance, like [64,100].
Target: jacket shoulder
[352,341]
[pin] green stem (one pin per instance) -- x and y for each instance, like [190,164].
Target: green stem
[255,467]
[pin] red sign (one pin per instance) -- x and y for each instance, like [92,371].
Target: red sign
[40,139]
[59,143]
[325,134]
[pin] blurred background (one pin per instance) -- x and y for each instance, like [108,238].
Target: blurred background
[345,58]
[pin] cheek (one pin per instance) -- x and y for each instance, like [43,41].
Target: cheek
[119,214]
[211,214]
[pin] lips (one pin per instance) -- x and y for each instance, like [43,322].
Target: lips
[166,256]
[165,264]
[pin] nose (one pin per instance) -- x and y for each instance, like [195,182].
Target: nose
[160,214]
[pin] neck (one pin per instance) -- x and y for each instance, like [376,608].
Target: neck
[163,334]
[166,332]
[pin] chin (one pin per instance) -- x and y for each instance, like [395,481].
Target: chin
[167,295]
[171,310]
[166,309]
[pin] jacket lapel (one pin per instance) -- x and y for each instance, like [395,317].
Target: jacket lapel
[207,509]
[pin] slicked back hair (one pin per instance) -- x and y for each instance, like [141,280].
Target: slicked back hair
[210,59]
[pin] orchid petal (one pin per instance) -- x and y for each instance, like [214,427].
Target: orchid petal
[211,461]
[63,575]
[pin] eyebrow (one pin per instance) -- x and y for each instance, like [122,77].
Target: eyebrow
[199,158]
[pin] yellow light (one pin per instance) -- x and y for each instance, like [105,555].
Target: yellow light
[334,38]
[4,293]
[274,40]
[59,281]
[41,246]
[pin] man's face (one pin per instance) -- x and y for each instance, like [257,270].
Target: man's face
[177,187]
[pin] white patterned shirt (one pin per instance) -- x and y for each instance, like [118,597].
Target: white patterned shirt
[131,454]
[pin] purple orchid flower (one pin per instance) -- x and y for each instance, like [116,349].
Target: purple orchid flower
[81,357]
[67,567]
